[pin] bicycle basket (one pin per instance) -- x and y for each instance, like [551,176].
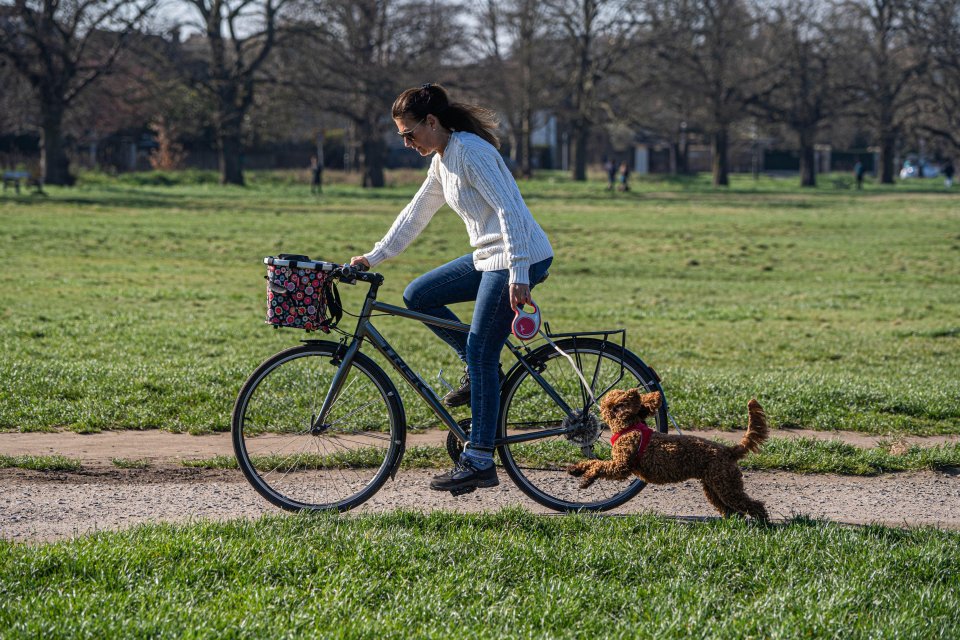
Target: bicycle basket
[301,294]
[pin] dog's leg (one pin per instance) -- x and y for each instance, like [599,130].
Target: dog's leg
[728,485]
[584,468]
[715,500]
[593,469]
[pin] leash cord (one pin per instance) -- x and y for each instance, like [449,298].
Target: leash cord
[586,385]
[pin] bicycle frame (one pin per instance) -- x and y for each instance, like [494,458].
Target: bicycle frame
[366,331]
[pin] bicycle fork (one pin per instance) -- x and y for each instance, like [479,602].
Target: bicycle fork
[318,423]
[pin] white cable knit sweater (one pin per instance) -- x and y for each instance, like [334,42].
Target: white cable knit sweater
[474,180]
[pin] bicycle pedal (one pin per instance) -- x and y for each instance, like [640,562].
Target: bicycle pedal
[460,492]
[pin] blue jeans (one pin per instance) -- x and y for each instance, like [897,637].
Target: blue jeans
[458,281]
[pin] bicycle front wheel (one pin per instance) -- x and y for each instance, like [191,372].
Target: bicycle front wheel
[538,466]
[295,461]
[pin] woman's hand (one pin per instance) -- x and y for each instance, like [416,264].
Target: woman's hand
[519,295]
[355,260]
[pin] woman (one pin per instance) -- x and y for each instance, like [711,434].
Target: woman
[511,255]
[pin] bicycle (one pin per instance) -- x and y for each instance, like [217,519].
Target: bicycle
[321,426]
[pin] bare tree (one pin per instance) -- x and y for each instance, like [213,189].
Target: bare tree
[890,61]
[644,97]
[809,74]
[240,34]
[18,102]
[510,36]
[352,58]
[596,35]
[709,50]
[936,23]
[62,48]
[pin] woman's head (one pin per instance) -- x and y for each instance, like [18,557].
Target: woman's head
[425,117]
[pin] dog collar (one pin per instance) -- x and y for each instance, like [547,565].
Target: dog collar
[645,433]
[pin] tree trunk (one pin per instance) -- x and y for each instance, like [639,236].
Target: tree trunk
[526,128]
[374,151]
[526,146]
[681,153]
[887,145]
[230,148]
[54,165]
[516,148]
[721,177]
[581,133]
[808,169]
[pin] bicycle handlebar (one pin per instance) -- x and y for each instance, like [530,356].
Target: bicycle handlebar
[350,273]
[346,273]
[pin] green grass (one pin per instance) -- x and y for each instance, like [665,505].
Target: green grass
[504,575]
[800,455]
[130,463]
[803,455]
[125,304]
[40,463]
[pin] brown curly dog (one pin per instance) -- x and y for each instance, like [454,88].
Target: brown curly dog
[660,458]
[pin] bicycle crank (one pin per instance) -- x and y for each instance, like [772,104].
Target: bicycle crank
[454,446]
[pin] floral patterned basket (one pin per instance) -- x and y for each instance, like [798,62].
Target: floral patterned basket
[300,293]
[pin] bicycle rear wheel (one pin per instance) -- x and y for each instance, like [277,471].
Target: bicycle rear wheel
[538,466]
[298,465]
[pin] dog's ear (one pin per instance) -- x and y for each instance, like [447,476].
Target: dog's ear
[651,401]
[613,397]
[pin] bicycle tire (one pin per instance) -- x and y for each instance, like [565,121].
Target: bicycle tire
[336,466]
[538,467]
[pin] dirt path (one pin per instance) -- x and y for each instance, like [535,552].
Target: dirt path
[162,446]
[40,506]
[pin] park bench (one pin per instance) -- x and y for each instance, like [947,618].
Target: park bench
[16,177]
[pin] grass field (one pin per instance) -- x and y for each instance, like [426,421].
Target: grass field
[137,303]
[505,575]
[130,305]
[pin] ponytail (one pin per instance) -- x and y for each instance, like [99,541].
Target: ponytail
[419,102]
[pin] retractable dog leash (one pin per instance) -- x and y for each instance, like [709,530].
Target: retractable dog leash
[526,325]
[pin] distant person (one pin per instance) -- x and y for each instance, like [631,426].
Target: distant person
[624,177]
[858,172]
[611,168]
[316,175]
[948,174]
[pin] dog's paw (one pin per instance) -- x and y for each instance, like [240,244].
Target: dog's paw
[586,482]
[577,469]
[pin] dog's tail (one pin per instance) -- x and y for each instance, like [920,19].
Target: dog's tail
[757,431]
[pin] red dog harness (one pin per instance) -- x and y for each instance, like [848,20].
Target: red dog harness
[645,433]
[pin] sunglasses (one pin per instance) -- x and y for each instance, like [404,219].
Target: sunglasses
[408,134]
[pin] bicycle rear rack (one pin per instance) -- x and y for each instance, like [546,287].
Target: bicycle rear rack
[604,336]
[583,334]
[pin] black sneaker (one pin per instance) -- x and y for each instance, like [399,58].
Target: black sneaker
[460,397]
[464,478]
